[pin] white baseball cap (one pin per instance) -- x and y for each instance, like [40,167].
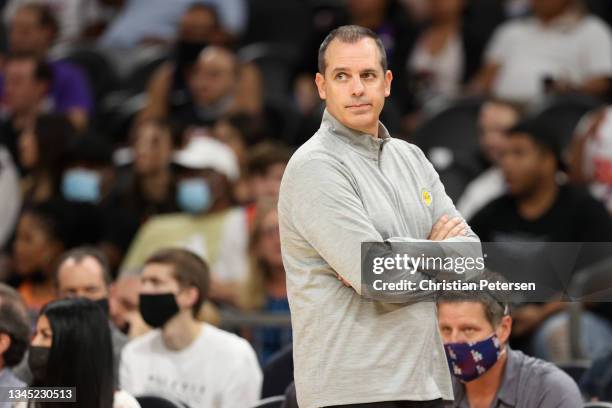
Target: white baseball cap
[204,152]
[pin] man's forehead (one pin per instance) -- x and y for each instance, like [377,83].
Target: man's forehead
[88,264]
[363,54]
[462,312]
[158,270]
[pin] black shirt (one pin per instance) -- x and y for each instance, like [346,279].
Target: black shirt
[575,216]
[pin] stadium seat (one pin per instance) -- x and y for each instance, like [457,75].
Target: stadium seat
[562,113]
[271,402]
[155,401]
[276,62]
[449,139]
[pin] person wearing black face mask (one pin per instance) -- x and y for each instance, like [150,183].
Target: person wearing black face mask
[72,348]
[487,373]
[84,272]
[183,358]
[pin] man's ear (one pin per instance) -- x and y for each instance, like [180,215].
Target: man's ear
[504,329]
[388,79]
[188,297]
[320,81]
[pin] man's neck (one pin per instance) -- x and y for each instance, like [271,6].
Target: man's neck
[181,331]
[541,199]
[482,391]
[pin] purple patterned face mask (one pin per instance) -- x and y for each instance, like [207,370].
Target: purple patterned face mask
[469,361]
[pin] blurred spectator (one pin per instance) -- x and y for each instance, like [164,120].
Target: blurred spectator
[591,155]
[265,289]
[156,21]
[40,240]
[190,361]
[561,49]
[212,88]
[28,81]
[278,373]
[475,329]
[123,305]
[148,187]
[84,272]
[41,153]
[14,336]
[495,118]
[75,17]
[87,181]
[11,196]
[443,57]
[72,348]
[168,88]
[33,30]
[596,383]
[536,207]
[209,226]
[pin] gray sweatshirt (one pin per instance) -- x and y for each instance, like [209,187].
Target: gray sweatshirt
[342,188]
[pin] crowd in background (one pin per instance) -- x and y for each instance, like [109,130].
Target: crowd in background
[128,127]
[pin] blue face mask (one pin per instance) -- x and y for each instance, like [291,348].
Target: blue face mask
[193,195]
[81,185]
[469,361]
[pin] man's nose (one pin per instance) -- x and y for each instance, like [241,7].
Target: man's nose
[357,87]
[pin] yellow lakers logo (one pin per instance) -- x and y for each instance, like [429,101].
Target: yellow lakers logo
[426,196]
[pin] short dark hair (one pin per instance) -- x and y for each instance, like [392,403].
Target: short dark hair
[350,34]
[14,322]
[80,253]
[265,155]
[495,306]
[42,70]
[189,270]
[46,17]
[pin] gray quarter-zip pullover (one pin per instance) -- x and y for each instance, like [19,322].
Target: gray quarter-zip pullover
[342,188]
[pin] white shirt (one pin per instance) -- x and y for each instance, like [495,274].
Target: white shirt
[218,370]
[566,49]
[11,196]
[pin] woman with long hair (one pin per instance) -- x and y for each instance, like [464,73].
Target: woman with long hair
[265,289]
[72,348]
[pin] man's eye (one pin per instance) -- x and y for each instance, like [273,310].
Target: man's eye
[368,75]
[341,76]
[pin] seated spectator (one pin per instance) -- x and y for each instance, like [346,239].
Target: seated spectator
[84,272]
[86,185]
[11,197]
[591,155]
[142,22]
[187,360]
[562,48]
[41,151]
[265,167]
[148,186]
[536,207]
[208,226]
[76,19]
[475,329]
[14,336]
[72,348]
[596,383]
[33,30]
[123,306]
[168,88]
[265,289]
[27,83]
[443,57]
[40,239]
[495,118]
[215,88]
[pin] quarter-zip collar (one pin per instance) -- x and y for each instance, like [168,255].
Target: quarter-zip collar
[364,143]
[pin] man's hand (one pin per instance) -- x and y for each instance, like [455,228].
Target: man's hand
[446,228]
